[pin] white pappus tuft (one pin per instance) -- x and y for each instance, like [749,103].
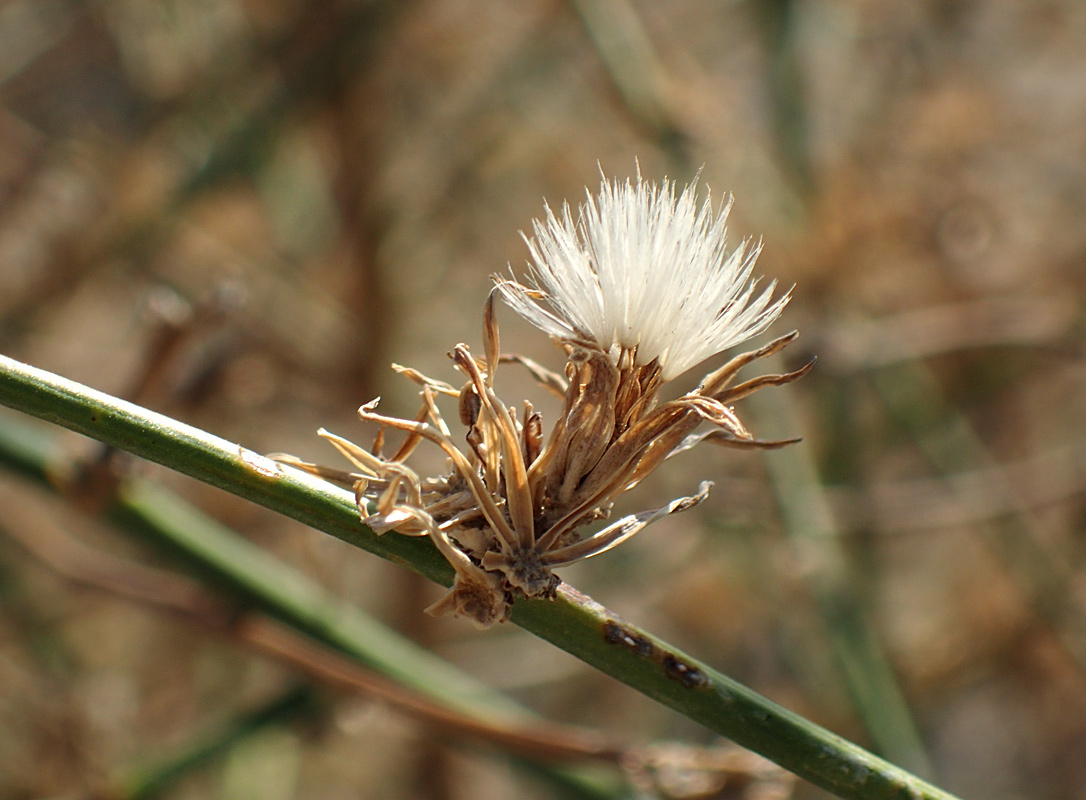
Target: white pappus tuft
[643,271]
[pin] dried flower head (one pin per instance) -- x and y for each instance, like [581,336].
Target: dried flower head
[636,290]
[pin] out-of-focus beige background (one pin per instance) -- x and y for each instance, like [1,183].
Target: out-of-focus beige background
[305,192]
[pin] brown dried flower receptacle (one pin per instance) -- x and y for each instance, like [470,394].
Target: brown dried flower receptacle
[639,289]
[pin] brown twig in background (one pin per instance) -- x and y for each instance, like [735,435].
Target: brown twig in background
[966,497]
[943,329]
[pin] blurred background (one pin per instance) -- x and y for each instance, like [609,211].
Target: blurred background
[240,212]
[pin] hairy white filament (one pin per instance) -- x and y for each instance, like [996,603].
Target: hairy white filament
[645,271]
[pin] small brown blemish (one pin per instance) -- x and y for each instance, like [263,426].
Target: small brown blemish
[615,633]
[640,645]
[612,631]
[674,667]
[689,676]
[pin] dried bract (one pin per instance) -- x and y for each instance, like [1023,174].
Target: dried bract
[636,290]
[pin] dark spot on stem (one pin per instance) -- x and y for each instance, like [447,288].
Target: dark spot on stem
[612,632]
[634,642]
[674,667]
[689,676]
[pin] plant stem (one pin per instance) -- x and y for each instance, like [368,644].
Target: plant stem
[572,621]
[151,780]
[258,581]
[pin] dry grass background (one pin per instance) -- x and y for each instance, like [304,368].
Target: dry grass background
[238,212]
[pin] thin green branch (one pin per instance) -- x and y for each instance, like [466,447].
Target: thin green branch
[152,780]
[257,580]
[631,62]
[573,622]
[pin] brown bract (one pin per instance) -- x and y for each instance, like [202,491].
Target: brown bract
[513,506]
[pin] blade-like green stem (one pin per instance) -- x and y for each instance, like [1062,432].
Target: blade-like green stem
[151,780]
[256,579]
[572,621]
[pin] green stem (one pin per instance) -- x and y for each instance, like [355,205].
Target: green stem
[152,780]
[628,56]
[254,577]
[573,622]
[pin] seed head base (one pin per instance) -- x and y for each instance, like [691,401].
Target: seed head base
[513,505]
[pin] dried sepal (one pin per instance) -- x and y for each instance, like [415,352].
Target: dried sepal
[748,388]
[440,387]
[512,508]
[340,477]
[479,596]
[551,381]
[620,531]
[719,379]
[725,439]
[476,594]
